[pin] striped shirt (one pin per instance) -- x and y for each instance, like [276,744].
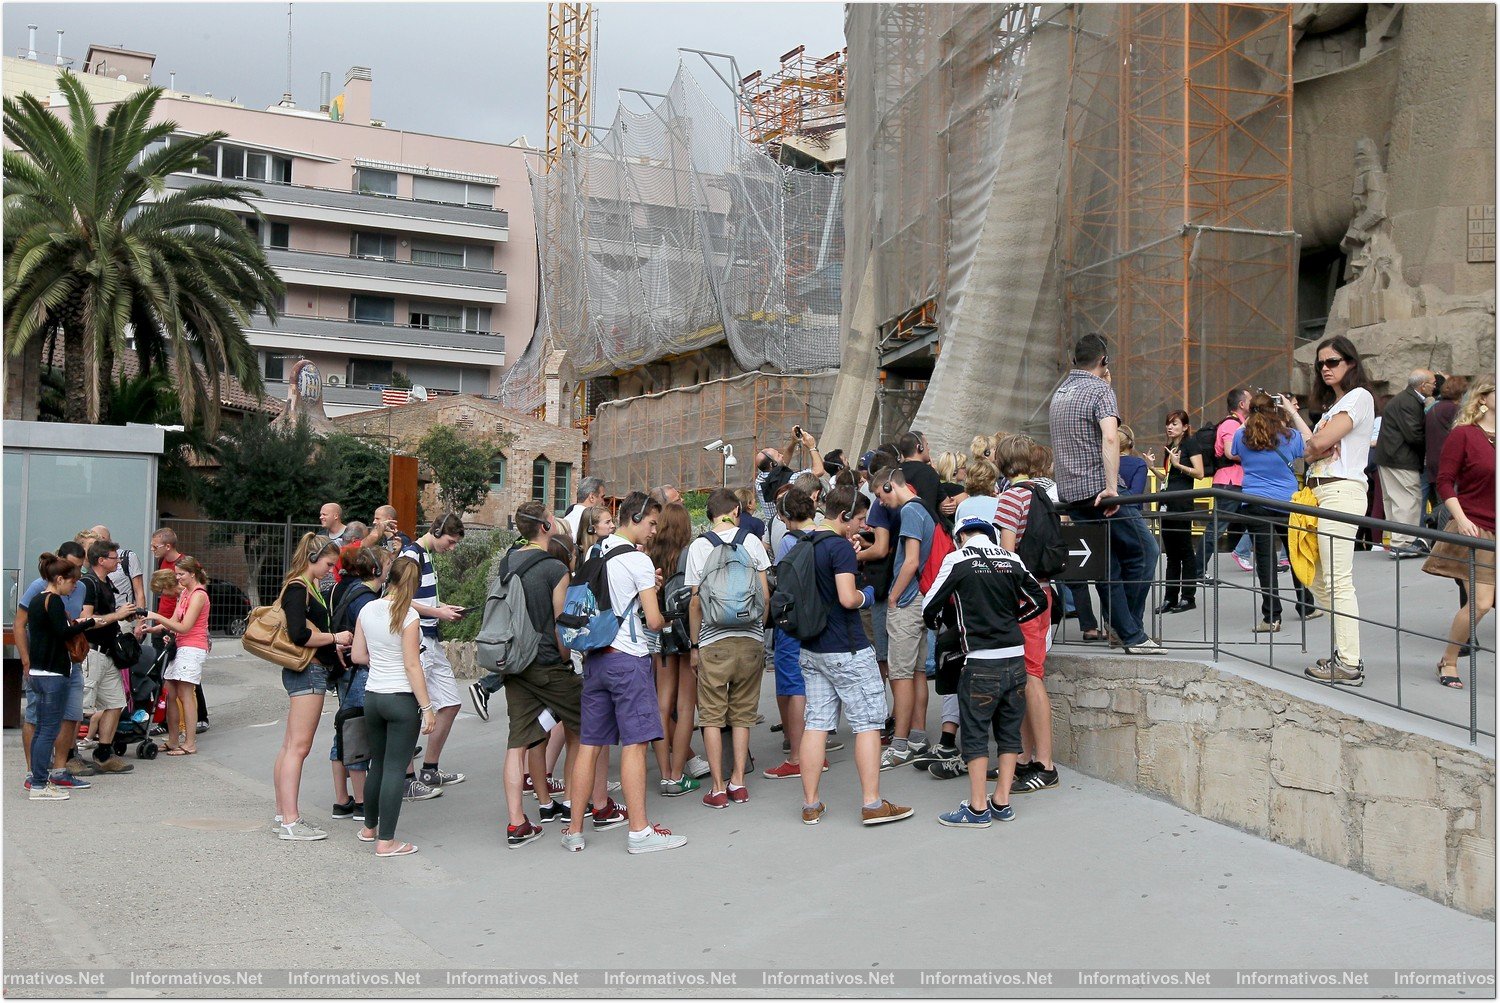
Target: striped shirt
[427,589]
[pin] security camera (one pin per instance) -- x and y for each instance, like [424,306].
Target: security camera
[713,445]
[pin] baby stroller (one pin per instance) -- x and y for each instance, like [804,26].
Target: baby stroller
[142,696]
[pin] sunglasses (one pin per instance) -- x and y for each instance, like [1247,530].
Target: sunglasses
[1337,360]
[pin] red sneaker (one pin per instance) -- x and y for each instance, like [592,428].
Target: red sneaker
[783,772]
[527,787]
[739,795]
[716,799]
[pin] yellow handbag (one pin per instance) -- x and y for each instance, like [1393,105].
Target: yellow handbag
[266,637]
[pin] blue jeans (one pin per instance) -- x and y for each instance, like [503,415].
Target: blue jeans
[1132,560]
[51,696]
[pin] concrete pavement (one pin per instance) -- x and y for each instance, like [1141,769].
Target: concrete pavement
[172,867]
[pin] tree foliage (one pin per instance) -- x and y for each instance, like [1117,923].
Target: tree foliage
[149,399]
[460,464]
[96,244]
[359,474]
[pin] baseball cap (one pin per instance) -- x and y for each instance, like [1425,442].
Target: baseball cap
[978,524]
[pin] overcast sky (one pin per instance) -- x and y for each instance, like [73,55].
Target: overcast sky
[475,70]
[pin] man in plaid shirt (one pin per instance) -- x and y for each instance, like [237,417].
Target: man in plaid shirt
[1085,421]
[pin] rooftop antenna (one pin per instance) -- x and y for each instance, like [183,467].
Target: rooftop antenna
[286,96]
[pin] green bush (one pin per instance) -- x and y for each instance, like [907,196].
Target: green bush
[464,576]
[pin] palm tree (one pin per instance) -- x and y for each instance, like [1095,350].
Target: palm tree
[88,255]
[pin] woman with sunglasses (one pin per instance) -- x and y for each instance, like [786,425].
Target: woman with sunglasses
[1337,451]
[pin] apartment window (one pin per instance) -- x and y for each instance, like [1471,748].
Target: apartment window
[266,167]
[209,161]
[497,472]
[372,309]
[374,245]
[437,316]
[562,480]
[477,318]
[429,252]
[459,379]
[452,192]
[539,479]
[232,162]
[273,366]
[368,372]
[375,182]
[279,235]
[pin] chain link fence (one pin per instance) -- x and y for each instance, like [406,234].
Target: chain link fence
[244,561]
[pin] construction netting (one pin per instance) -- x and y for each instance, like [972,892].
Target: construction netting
[670,232]
[656,439]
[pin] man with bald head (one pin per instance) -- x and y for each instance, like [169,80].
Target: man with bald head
[1400,452]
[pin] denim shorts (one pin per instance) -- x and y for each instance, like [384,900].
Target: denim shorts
[311,681]
[788,662]
[73,711]
[992,699]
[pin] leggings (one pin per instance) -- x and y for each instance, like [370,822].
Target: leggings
[1182,556]
[392,722]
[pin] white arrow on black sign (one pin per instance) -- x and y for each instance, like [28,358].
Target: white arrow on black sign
[1085,553]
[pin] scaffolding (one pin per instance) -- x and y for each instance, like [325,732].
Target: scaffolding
[570,75]
[803,97]
[671,232]
[1178,244]
[656,439]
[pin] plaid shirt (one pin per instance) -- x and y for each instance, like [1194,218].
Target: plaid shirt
[1079,405]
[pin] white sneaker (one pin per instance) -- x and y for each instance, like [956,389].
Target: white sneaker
[1146,647]
[697,768]
[52,792]
[656,838]
[301,831]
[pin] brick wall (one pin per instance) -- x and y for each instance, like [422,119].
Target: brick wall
[404,426]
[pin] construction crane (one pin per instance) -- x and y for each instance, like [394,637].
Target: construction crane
[571,29]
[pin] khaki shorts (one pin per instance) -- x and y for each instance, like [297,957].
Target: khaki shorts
[908,641]
[729,682]
[102,686]
[554,689]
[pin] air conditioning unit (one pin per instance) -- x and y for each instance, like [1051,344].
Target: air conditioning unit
[333,381]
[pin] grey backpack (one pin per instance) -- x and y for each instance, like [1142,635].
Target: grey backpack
[507,641]
[729,590]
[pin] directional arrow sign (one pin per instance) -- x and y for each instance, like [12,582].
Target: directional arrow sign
[1087,552]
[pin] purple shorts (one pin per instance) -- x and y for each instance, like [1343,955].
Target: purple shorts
[619,700]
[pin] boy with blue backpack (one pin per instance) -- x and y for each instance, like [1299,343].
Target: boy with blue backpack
[609,606]
[726,568]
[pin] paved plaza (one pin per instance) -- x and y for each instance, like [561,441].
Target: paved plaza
[172,867]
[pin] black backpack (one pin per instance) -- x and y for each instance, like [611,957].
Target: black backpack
[344,600]
[1207,437]
[797,606]
[1042,548]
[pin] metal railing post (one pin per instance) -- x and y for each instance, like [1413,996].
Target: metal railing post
[286,544]
[1215,511]
[1473,657]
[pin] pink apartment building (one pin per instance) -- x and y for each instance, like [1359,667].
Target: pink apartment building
[402,252]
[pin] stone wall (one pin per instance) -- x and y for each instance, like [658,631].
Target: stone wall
[404,427]
[1404,809]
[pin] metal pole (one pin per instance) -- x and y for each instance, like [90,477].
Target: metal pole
[1215,541]
[1473,658]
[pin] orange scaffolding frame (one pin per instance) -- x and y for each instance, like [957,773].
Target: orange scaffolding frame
[1178,243]
[804,95]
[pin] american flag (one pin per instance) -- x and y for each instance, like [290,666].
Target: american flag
[392,397]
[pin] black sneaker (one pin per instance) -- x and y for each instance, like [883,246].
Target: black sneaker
[948,769]
[1032,781]
[555,812]
[480,697]
[346,810]
[1030,767]
[931,754]
[519,835]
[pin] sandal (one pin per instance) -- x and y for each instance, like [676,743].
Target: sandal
[363,838]
[404,850]
[1453,682]
[1094,635]
[177,751]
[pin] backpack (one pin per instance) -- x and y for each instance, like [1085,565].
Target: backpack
[797,607]
[729,591]
[676,599]
[942,546]
[588,623]
[1042,547]
[507,641]
[1212,462]
[342,618]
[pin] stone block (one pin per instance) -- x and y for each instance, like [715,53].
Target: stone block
[1305,760]
[1394,773]
[1407,845]
[1234,781]
[1124,700]
[1161,707]
[1314,823]
[1107,753]
[1486,821]
[1246,717]
[1094,698]
[1474,877]
[1169,763]
[1062,728]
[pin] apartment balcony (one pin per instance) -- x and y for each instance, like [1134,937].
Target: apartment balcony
[297,333]
[363,209]
[384,275]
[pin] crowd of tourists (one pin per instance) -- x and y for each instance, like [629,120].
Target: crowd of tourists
[863,586]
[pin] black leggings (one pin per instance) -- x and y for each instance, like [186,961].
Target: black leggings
[1182,557]
[392,723]
[1269,527]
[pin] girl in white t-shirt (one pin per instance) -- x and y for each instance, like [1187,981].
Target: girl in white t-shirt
[1337,453]
[388,638]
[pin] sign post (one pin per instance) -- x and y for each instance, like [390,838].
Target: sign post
[1088,555]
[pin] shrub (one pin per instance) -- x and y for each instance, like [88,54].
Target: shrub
[464,576]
